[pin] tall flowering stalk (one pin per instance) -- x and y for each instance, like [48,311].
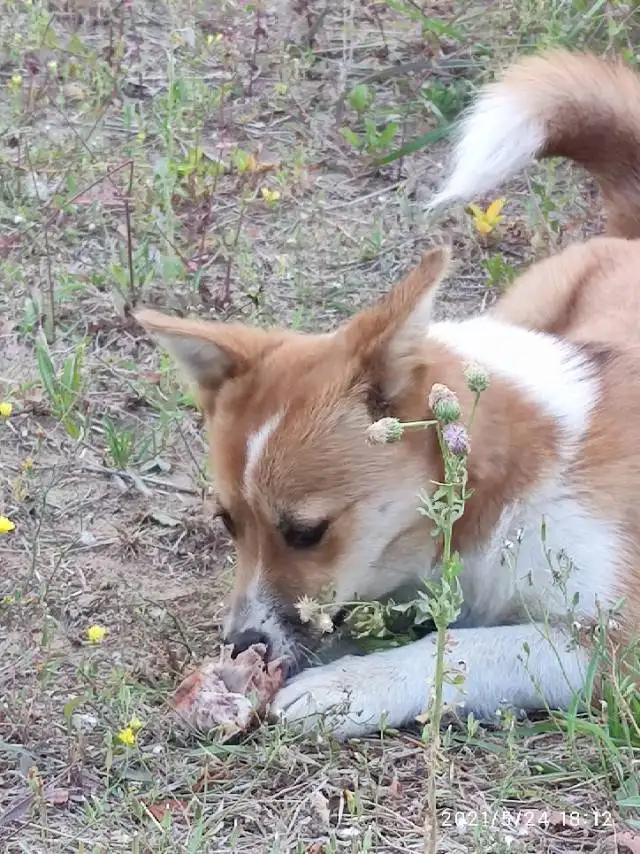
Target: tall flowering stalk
[442,600]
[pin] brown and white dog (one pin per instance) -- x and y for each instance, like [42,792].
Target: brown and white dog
[554,444]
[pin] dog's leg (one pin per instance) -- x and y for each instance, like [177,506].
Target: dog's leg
[526,667]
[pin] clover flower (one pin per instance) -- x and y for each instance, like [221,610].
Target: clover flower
[384,431]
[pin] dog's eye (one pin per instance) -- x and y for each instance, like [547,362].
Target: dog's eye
[298,537]
[228,522]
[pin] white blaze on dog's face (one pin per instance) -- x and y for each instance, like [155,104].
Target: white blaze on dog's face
[308,502]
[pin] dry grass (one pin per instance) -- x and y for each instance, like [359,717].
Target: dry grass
[112,118]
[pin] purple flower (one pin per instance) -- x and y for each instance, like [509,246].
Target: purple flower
[456,438]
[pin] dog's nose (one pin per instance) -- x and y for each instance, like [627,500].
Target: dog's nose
[244,639]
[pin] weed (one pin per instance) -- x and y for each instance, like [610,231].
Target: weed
[500,273]
[65,388]
[374,138]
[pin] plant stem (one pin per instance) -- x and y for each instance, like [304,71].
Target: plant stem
[431,818]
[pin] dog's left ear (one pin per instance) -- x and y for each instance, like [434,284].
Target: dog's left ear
[387,338]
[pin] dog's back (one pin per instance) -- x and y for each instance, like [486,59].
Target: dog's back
[586,109]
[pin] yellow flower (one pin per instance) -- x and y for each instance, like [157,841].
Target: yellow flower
[5,409]
[27,464]
[96,634]
[270,196]
[15,82]
[486,221]
[135,725]
[127,736]
[6,525]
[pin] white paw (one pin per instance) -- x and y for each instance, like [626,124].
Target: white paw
[349,696]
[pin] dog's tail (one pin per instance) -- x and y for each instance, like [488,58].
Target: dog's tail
[558,104]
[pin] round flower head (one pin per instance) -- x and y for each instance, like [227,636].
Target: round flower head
[96,634]
[456,438]
[324,623]
[444,403]
[307,609]
[476,377]
[384,431]
[127,736]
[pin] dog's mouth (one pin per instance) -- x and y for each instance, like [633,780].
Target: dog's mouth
[304,646]
[294,644]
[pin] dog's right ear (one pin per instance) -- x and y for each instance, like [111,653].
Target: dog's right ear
[207,353]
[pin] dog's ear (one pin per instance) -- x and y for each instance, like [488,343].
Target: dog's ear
[387,338]
[207,353]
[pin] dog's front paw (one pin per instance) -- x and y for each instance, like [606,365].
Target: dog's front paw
[352,696]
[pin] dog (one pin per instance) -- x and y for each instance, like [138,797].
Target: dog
[554,464]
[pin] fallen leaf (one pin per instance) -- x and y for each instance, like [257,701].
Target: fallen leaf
[164,519]
[230,693]
[58,797]
[627,841]
[8,242]
[74,92]
[161,808]
[209,776]
[320,809]
[395,789]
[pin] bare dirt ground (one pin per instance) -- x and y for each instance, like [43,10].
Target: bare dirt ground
[192,156]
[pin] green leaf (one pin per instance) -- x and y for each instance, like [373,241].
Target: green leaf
[351,137]
[71,705]
[417,144]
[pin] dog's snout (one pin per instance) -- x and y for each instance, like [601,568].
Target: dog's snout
[246,638]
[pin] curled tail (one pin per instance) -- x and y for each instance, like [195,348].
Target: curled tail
[559,104]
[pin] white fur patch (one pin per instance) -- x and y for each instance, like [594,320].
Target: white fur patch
[256,443]
[522,575]
[497,138]
[524,667]
[552,373]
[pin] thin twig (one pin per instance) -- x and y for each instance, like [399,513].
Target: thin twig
[50,316]
[127,219]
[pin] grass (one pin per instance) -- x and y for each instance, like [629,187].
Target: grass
[228,159]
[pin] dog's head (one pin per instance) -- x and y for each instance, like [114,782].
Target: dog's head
[307,501]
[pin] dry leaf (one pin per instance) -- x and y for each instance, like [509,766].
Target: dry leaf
[627,841]
[210,776]
[58,797]
[395,788]
[320,809]
[160,809]
[231,693]
[74,92]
